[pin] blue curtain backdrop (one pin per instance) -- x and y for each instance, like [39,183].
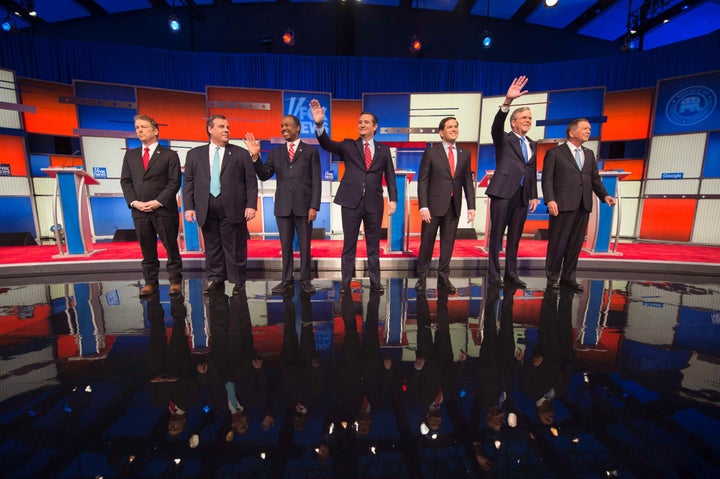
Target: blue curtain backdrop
[344,77]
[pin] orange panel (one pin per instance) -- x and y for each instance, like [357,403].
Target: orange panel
[181,115]
[341,170]
[415,221]
[628,115]
[51,117]
[13,154]
[635,167]
[65,161]
[255,226]
[542,148]
[344,118]
[264,124]
[531,226]
[667,219]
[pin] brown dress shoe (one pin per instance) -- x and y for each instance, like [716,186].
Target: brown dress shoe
[148,289]
[175,289]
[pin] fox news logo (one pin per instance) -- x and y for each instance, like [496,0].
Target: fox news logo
[299,105]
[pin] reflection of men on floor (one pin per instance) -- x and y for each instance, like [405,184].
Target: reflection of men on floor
[547,375]
[296,166]
[171,377]
[435,376]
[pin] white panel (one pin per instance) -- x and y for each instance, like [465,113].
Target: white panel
[334,185]
[650,292]
[33,375]
[125,316]
[652,324]
[23,296]
[537,102]
[104,153]
[676,154]
[267,188]
[14,186]
[106,186]
[57,291]
[481,206]
[629,217]
[258,312]
[44,186]
[701,374]
[335,220]
[671,187]
[710,187]
[630,189]
[8,94]
[326,189]
[707,299]
[44,206]
[182,147]
[427,109]
[706,229]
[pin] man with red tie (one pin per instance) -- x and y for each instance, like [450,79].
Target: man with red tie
[443,176]
[150,180]
[360,193]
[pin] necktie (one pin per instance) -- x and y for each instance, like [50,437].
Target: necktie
[523,146]
[578,158]
[291,151]
[368,156]
[146,157]
[451,161]
[215,174]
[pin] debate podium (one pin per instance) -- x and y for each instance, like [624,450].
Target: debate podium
[600,233]
[484,182]
[398,240]
[71,194]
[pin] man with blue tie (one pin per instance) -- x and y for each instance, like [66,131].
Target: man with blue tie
[360,193]
[513,186]
[220,192]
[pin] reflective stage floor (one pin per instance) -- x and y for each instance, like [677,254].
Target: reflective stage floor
[621,380]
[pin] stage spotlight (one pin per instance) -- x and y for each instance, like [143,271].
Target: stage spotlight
[6,25]
[415,44]
[174,24]
[31,8]
[288,37]
[551,3]
[487,40]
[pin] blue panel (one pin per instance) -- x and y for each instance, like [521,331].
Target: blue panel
[113,6]
[687,105]
[297,103]
[568,105]
[711,168]
[110,214]
[16,215]
[106,118]
[559,17]
[444,5]
[504,9]
[612,23]
[269,221]
[54,11]
[690,24]
[486,160]
[697,331]
[102,91]
[409,160]
[37,162]
[191,231]
[135,143]
[396,234]
[393,111]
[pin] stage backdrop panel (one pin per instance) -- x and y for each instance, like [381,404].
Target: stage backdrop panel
[12,156]
[182,147]
[51,116]
[706,229]
[667,219]
[102,106]
[257,111]
[427,109]
[564,106]
[393,113]
[179,114]
[537,102]
[8,94]
[345,114]
[711,168]
[298,103]
[628,115]
[688,104]
[110,213]
[16,214]
[676,156]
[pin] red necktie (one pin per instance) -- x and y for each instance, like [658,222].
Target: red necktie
[146,157]
[368,156]
[451,161]
[291,151]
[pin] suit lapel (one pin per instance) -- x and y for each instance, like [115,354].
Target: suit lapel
[361,148]
[569,156]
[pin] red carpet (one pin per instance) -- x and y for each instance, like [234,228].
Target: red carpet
[333,248]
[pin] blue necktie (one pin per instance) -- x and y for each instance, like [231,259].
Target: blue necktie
[578,160]
[523,147]
[215,174]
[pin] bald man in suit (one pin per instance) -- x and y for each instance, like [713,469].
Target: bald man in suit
[443,176]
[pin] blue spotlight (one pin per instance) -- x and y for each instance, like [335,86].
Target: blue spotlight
[487,40]
[174,24]
[6,25]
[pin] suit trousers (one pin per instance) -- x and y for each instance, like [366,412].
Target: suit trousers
[225,245]
[506,213]
[148,230]
[448,231]
[566,235]
[287,226]
[372,221]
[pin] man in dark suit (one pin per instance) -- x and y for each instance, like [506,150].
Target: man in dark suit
[360,193]
[220,193]
[513,186]
[569,177]
[444,174]
[296,166]
[150,180]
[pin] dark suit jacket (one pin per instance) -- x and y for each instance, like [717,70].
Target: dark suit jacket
[357,180]
[435,183]
[298,183]
[509,163]
[238,185]
[564,183]
[160,182]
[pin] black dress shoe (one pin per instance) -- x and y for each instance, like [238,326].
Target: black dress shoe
[447,286]
[420,285]
[307,288]
[574,285]
[553,284]
[515,281]
[239,288]
[215,286]
[377,288]
[496,281]
[281,287]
